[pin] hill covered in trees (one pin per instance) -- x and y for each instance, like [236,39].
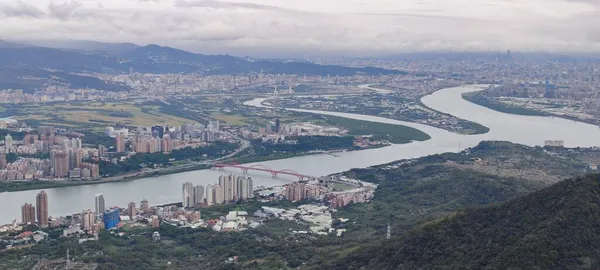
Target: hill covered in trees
[555,228]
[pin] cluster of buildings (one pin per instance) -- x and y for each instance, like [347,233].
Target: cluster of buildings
[230,189]
[56,92]
[66,157]
[554,143]
[37,214]
[164,139]
[326,191]
[318,217]
[277,131]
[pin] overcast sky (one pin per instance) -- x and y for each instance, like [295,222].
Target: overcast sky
[283,27]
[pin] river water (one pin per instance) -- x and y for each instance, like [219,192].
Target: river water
[529,130]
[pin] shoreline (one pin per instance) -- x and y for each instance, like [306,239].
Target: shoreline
[479,128]
[37,184]
[522,111]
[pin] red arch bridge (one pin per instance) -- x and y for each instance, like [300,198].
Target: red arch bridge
[261,168]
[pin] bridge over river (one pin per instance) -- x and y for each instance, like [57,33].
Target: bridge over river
[262,168]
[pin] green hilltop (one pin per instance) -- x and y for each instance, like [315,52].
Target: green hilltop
[555,228]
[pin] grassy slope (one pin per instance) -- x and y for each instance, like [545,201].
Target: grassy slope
[394,133]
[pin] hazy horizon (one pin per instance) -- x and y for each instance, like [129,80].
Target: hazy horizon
[270,28]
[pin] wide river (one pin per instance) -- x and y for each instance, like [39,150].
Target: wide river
[528,130]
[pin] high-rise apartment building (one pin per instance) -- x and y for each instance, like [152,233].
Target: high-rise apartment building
[60,164]
[28,214]
[42,209]
[120,142]
[199,195]
[188,195]
[87,220]
[8,141]
[100,206]
[144,206]
[210,195]
[131,210]
[76,156]
[218,194]
[3,161]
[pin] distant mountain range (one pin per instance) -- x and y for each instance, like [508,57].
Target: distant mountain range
[116,58]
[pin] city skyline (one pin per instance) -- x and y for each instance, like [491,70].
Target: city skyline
[275,28]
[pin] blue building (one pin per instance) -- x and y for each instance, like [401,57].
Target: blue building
[110,218]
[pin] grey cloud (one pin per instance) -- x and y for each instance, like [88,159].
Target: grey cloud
[18,8]
[65,10]
[222,5]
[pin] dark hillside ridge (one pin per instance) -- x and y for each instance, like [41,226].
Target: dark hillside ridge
[554,228]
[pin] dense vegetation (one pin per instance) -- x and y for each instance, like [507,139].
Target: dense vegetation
[556,228]
[304,144]
[141,160]
[380,131]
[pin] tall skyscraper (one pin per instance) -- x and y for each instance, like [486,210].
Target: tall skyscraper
[198,195]
[8,141]
[28,213]
[3,161]
[42,209]
[120,142]
[144,206]
[188,195]
[132,210]
[277,125]
[61,164]
[100,207]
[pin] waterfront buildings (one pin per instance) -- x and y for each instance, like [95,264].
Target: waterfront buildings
[28,214]
[188,195]
[100,207]
[131,210]
[302,191]
[42,209]
[236,188]
[144,206]
[199,195]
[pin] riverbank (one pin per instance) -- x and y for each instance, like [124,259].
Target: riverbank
[36,184]
[481,100]
[479,129]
